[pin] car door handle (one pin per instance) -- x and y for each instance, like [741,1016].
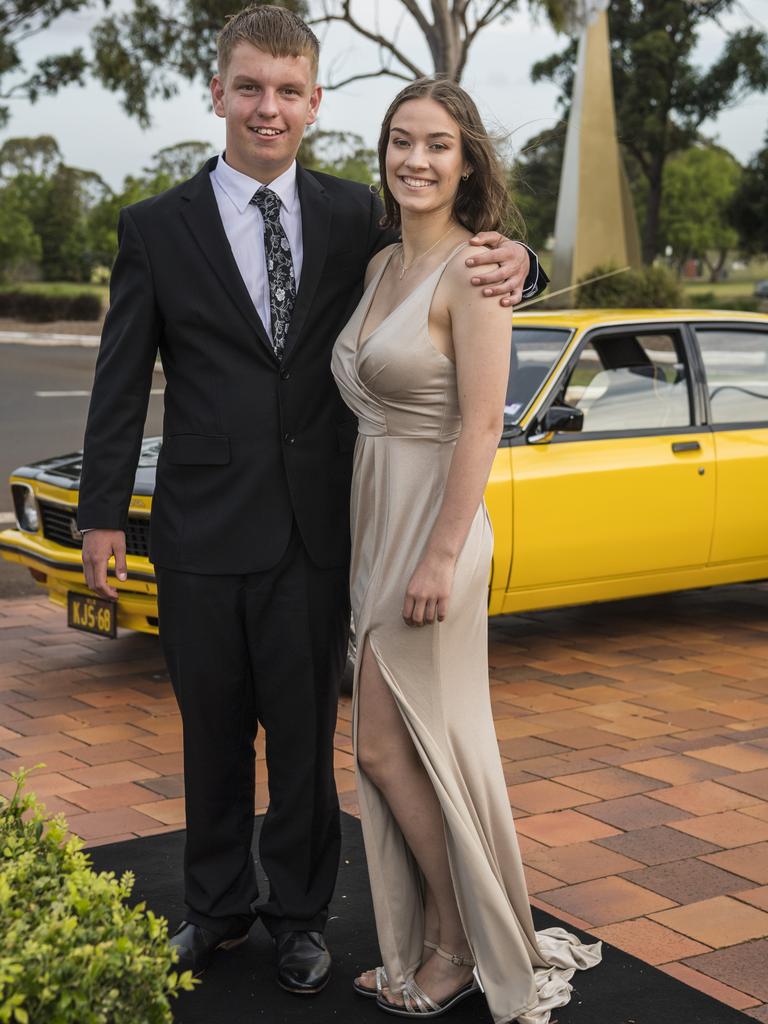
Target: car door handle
[686,446]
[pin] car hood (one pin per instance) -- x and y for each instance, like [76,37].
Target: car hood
[64,470]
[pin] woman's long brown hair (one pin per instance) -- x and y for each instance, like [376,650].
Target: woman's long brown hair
[482,201]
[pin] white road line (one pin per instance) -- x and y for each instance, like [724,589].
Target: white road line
[49,340]
[81,394]
[7,517]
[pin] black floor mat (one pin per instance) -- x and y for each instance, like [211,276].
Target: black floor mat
[239,987]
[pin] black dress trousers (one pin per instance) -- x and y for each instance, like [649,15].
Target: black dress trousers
[267,648]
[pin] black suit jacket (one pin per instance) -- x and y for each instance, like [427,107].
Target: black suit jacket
[248,443]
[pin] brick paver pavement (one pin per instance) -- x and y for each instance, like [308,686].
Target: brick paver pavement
[634,738]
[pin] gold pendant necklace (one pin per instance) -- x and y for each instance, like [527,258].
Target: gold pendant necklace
[403,267]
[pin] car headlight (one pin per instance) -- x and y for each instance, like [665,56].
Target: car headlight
[25,506]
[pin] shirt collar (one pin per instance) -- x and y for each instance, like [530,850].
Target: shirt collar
[240,188]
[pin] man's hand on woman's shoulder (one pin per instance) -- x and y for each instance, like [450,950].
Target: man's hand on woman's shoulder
[508,266]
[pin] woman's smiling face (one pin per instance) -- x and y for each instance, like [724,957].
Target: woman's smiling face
[425,157]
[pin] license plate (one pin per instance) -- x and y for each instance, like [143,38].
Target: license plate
[92,614]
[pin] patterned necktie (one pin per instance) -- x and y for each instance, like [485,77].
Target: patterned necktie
[282,286]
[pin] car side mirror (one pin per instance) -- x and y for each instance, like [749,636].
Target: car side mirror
[566,418]
[557,418]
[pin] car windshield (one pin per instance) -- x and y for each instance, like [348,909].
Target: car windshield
[535,350]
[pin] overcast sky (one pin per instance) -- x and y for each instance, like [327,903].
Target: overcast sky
[94,132]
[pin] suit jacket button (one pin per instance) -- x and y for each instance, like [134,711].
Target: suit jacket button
[289,438]
[285,374]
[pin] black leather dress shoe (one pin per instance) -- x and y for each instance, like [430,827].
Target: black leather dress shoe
[303,962]
[196,946]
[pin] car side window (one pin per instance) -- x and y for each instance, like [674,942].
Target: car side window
[535,350]
[631,381]
[736,364]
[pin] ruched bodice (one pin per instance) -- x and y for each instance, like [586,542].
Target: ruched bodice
[395,380]
[404,393]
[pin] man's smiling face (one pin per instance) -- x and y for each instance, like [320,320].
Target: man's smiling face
[267,103]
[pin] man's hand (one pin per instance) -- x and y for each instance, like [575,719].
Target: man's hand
[508,279]
[98,548]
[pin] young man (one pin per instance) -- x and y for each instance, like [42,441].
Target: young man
[243,289]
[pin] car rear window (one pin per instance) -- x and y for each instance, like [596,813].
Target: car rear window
[736,364]
[535,350]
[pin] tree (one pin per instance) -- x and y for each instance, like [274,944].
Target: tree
[166,168]
[449,27]
[535,182]
[18,242]
[36,156]
[62,229]
[662,97]
[145,51]
[341,153]
[178,162]
[699,185]
[28,164]
[101,222]
[749,207]
[56,200]
[20,19]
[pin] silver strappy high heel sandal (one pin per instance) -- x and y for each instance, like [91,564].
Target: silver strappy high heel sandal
[416,1001]
[381,978]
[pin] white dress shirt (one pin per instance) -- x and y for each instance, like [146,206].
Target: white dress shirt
[244,227]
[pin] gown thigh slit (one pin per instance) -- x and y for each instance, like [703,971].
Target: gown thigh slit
[404,393]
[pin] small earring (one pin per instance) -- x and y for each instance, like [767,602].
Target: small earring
[465,177]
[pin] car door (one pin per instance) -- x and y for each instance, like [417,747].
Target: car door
[735,359]
[536,350]
[632,494]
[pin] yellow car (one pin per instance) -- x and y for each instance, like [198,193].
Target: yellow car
[634,460]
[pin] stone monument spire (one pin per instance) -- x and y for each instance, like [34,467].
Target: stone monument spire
[595,222]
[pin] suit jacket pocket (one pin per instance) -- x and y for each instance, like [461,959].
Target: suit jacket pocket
[347,435]
[196,449]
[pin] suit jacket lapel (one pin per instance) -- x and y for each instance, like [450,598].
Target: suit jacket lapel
[201,214]
[315,224]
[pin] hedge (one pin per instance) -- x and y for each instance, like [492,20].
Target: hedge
[38,307]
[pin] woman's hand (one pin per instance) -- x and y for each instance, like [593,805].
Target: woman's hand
[426,597]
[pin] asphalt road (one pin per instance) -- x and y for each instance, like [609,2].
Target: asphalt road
[44,395]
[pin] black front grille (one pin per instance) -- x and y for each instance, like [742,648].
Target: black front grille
[59,525]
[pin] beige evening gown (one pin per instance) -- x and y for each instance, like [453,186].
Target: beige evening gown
[403,391]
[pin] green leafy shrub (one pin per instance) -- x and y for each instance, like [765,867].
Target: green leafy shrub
[647,288]
[72,951]
[38,307]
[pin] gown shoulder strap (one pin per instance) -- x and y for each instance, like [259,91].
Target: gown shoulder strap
[459,247]
[444,264]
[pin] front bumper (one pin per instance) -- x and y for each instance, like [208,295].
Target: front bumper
[63,570]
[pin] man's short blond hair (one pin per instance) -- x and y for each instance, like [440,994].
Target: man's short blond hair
[272,29]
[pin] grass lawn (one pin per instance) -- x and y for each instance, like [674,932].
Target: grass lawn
[740,283]
[722,289]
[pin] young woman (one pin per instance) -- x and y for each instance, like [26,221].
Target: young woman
[424,363]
